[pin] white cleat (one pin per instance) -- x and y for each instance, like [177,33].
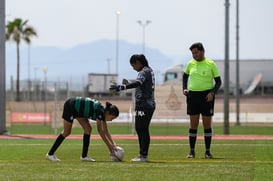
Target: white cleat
[140,159]
[87,159]
[52,158]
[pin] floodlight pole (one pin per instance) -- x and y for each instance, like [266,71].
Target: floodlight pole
[45,70]
[237,67]
[117,40]
[143,25]
[2,70]
[108,65]
[226,83]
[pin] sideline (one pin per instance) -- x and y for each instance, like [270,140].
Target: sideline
[134,137]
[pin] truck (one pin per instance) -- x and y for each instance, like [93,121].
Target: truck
[173,75]
[99,83]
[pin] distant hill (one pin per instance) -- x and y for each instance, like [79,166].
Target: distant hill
[74,64]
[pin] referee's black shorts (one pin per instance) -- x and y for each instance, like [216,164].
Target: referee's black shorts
[198,104]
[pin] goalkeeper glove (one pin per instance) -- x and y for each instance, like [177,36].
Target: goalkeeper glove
[125,82]
[117,88]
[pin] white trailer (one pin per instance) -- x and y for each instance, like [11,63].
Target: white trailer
[100,83]
[173,75]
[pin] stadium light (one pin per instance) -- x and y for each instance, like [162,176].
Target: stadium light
[143,25]
[117,40]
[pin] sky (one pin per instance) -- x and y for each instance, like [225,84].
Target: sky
[175,24]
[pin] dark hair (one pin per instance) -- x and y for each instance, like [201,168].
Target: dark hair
[112,109]
[199,46]
[141,58]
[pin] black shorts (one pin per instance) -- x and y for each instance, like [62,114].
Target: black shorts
[198,104]
[69,113]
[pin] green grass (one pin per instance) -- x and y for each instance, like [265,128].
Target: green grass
[156,129]
[234,160]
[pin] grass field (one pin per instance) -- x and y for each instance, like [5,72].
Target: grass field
[234,160]
[24,159]
[155,129]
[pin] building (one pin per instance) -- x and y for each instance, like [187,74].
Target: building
[255,76]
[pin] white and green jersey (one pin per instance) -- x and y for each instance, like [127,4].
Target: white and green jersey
[88,108]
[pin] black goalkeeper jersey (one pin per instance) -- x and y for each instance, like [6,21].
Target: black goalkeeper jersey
[144,94]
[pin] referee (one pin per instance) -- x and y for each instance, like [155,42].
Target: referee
[201,81]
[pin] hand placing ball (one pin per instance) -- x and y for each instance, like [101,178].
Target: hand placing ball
[117,155]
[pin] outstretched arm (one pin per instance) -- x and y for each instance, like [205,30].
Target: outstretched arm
[105,135]
[133,85]
[124,86]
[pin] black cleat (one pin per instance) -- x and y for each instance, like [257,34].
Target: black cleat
[208,155]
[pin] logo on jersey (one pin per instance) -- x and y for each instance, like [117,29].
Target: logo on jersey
[140,113]
[141,78]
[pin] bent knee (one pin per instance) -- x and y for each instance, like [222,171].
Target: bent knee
[87,130]
[66,134]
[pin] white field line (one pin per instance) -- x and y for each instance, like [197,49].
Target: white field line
[128,144]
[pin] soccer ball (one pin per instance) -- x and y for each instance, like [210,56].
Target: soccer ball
[118,155]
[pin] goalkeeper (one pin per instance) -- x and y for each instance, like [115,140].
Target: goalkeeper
[144,102]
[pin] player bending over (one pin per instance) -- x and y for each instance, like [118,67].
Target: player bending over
[84,109]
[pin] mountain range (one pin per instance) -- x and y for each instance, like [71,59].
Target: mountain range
[75,63]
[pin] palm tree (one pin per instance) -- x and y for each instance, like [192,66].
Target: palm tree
[16,31]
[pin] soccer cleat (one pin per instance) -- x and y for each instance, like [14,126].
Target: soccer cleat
[52,158]
[87,159]
[140,159]
[208,155]
[191,155]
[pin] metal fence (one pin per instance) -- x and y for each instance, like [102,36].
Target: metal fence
[44,90]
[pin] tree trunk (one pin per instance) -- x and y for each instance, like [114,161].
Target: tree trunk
[18,74]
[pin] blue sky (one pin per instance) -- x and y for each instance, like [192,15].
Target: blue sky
[176,24]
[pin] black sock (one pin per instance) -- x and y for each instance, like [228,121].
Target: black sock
[207,138]
[192,139]
[86,141]
[57,143]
